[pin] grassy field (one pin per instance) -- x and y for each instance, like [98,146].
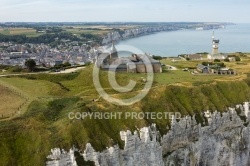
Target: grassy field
[95,30]
[29,32]
[10,102]
[45,122]
[78,31]
[36,88]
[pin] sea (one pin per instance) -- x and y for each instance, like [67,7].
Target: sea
[233,38]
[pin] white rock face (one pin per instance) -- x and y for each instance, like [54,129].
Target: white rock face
[225,141]
[60,157]
[138,150]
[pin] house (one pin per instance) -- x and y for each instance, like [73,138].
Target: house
[16,53]
[58,62]
[195,57]
[217,56]
[203,69]
[215,70]
[231,59]
[227,71]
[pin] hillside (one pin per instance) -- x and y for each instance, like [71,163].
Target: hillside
[45,123]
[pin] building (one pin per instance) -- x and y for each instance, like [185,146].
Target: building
[215,50]
[203,69]
[140,64]
[197,57]
[215,45]
[215,70]
[137,63]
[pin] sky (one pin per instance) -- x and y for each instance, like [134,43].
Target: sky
[236,11]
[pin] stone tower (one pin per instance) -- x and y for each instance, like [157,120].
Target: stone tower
[215,45]
[113,52]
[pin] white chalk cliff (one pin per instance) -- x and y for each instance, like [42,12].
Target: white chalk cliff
[224,140]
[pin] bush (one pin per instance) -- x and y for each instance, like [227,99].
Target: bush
[237,58]
[219,64]
[226,60]
[207,63]
[216,60]
[15,69]
[4,67]
[156,57]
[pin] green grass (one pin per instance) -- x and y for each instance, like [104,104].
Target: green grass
[179,76]
[29,32]
[10,101]
[181,63]
[79,31]
[45,123]
[34,88]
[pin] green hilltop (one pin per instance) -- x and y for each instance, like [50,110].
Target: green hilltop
[42,122]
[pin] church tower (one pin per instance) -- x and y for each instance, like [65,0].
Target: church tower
[215,45]
[113,52]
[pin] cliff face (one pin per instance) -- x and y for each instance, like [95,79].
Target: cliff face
[140,149]
[224,140]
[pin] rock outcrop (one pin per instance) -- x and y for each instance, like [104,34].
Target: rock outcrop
[140,149]
[134,32]
[223,140]
[60,157]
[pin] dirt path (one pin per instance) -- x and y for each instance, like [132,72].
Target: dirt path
[68,70]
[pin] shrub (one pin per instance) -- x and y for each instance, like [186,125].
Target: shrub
[237,58]
[155,57]
[15,69]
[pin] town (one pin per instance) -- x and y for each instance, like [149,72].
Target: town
[56,45]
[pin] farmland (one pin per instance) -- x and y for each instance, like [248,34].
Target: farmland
[29,32]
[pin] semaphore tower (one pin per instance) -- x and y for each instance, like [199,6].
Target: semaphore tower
[215,45]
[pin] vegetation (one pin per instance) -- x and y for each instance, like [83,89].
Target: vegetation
[45,122]
[29,32]
[216,63]
[157,57]
[30,64]
[216,60]
[10,102]
[227,60]
[54,39]
[95,38]
[237,58]
[64,65]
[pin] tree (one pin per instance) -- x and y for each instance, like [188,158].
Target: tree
[226,60]
[30,64]
[216,60]
[237,58]
[155,57]
[66,64]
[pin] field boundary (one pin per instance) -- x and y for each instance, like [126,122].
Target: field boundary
[27,100]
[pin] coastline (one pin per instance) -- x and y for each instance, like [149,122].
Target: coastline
[144,31]
[189,41]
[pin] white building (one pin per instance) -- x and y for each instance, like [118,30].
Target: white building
[215,50]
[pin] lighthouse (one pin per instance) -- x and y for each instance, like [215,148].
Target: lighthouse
[215,45]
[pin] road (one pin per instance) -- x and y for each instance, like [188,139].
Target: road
[61,72]
[68,70]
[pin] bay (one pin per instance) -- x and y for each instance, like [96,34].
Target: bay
[234,38]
